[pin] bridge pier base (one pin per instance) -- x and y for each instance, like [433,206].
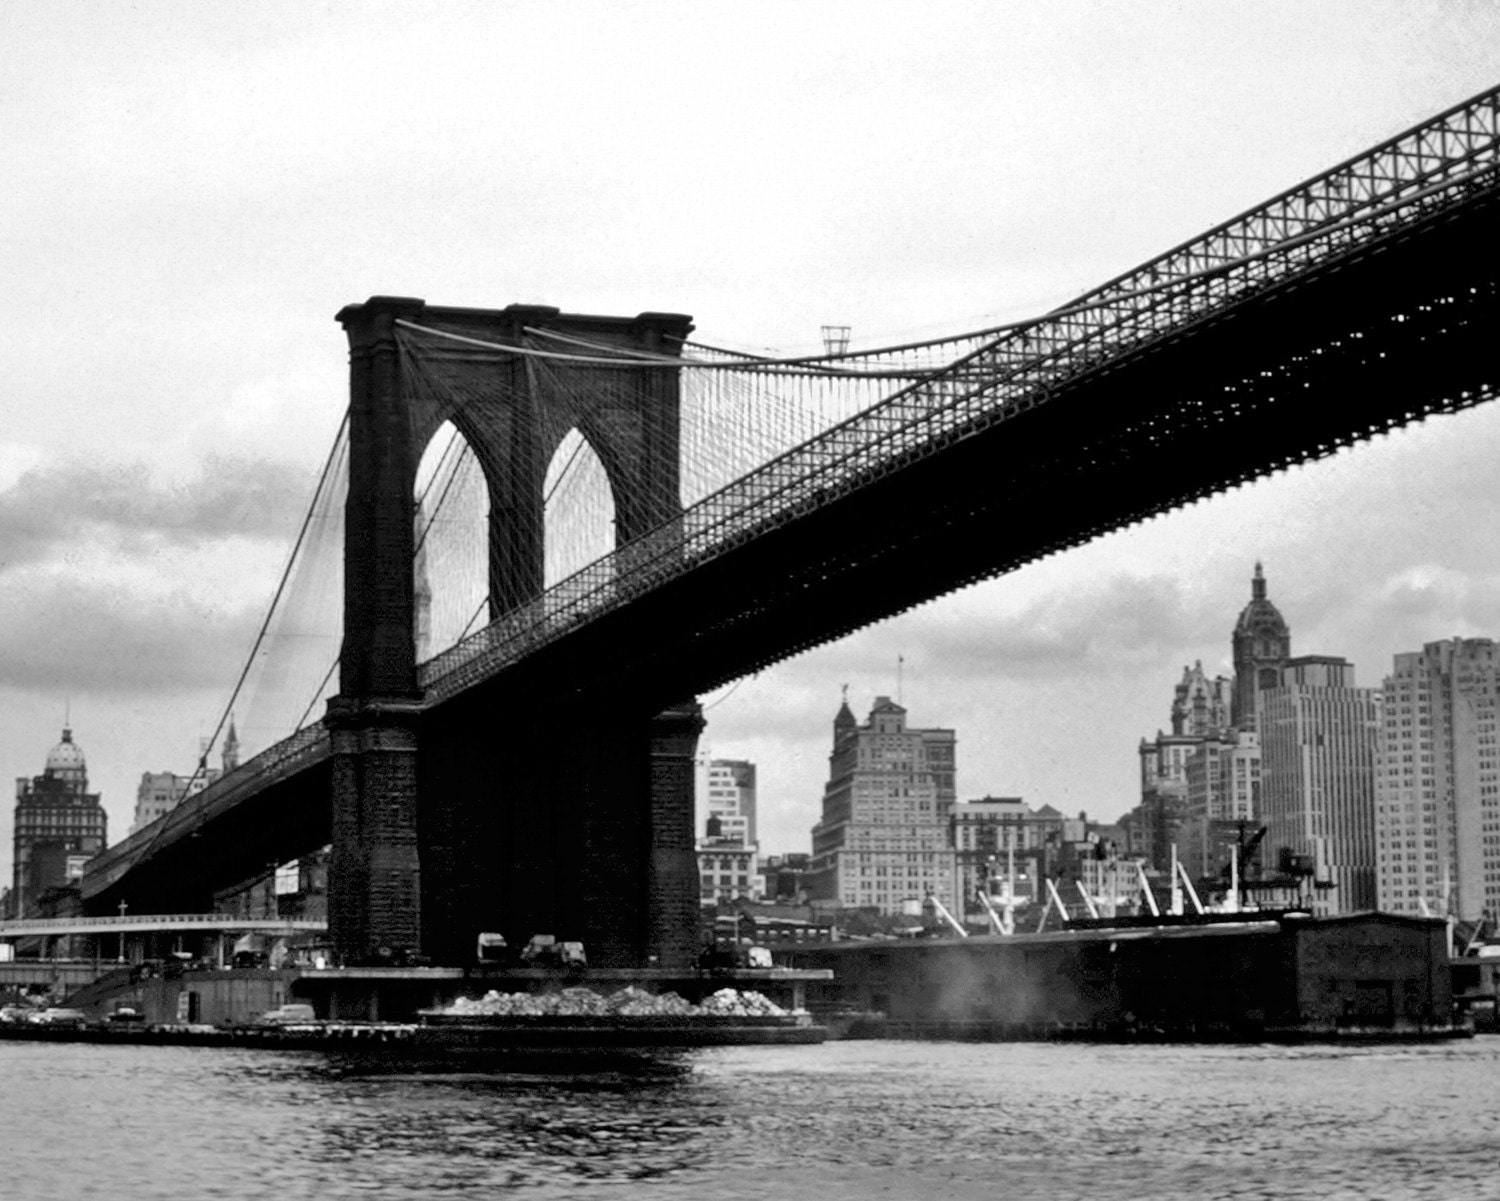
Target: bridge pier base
[673,888]
[374,877]
[576,821]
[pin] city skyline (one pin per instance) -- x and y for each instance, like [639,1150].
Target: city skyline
[186,230]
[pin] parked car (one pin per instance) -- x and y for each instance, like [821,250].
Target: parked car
[70,1019]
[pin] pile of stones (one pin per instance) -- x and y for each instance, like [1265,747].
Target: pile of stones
[629,1001]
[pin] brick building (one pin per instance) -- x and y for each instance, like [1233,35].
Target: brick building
[59,826]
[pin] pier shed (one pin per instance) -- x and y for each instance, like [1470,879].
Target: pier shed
[1245,976]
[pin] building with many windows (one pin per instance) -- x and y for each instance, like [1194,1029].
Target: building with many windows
[1222,778]
[781,876]
[1318,736]
[1200,782]
[727,790]
[884,841]
[59,826]
[727,868]
[1002,845]
[727,852]
[160,792]
[1200,717]
[1437,782]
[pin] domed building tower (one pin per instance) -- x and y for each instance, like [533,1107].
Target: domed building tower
[66,764]
[59,826]
[1262,645]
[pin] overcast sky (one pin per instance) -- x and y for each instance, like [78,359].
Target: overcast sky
[194,190]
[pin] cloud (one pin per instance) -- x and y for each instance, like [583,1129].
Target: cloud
[1369,620]
[51,511]
[16,459]
[1106,623]
[1116,624]
[59,636]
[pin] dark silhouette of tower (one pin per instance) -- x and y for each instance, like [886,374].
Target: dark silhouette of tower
[576,817]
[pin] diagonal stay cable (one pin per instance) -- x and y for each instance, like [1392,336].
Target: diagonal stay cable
[202,766]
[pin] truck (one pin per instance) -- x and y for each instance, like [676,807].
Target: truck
[492,948]
[545,951]
[722,955]
[291,1014]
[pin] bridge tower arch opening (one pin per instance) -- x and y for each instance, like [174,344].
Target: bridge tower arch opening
[579,509]
[450,553]
[437,823]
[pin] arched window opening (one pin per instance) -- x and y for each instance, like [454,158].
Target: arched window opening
[451,544]
[579,512]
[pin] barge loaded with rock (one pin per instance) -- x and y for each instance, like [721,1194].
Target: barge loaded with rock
[629,1017]
[574,1019]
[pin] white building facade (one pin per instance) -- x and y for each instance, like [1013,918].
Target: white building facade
[884,840]
[728,853]
[1437,795]
[1318,735]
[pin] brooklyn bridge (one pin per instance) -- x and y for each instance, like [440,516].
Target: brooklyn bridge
[528,765]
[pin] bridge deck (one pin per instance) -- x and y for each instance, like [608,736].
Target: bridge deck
[153,923]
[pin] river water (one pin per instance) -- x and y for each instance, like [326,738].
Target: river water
[862,1120]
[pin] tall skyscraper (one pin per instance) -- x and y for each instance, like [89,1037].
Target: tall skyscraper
[1223,784]
[884,839]
[728,854]
[1317,785]
[1437,783]
[59,826]
[1261,645]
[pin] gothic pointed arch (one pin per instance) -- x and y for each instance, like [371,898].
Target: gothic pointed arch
[516,408]
[450,542]
[579,509]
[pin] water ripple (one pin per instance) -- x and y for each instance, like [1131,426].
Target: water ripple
[934,1121]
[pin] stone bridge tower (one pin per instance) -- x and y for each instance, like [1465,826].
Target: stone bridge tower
[404,874]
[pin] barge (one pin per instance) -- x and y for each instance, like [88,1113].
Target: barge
[437,1037]
[434,1011]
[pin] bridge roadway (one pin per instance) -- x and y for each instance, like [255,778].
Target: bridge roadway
[55,927]
[67,975]
[1230,375]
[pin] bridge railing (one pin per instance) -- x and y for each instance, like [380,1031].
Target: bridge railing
[1437,164]
[27,927]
